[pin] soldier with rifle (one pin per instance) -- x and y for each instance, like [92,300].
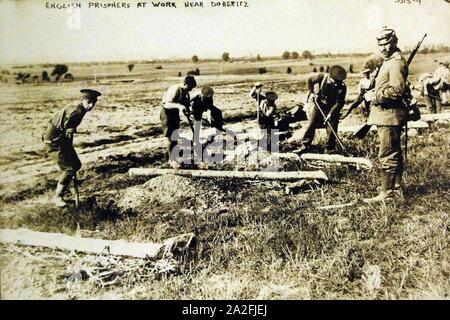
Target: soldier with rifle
[389,113]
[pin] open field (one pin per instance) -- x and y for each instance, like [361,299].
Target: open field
[255,240]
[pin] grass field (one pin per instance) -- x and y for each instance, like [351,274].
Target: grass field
[255,240]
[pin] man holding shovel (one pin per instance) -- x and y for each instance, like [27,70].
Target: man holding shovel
[325,101]
[58,140]
[265,112]
[175,99]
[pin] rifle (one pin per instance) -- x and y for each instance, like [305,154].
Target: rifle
[416,49]
[362,132]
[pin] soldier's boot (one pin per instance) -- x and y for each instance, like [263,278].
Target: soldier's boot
[387,189]
[57,199]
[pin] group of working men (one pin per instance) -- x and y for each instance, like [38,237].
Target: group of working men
[382,92]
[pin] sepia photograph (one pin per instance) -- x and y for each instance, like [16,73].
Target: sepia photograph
[238,151]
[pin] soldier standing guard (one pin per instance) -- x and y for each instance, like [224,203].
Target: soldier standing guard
[175,99]
[328,91]
[58,140]
[389,114]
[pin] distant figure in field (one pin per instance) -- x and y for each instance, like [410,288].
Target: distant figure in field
[431,87]
[443,72]
[363,87]
[58,140]
[175,99]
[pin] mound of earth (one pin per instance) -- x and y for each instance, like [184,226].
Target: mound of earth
[159,192]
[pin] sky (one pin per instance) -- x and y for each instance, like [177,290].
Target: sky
[32,33]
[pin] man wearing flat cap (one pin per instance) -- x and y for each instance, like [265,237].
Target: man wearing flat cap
[175,99]
[389,114]
[58,140]
[328,90]
[202,103]
[266,111]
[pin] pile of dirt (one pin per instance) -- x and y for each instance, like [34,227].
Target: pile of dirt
[159,192]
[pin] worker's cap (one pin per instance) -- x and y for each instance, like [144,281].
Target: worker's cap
[366,70]
[90,94]
[270,95]
[386,36]
[207,92]
[190,81]
[338,73]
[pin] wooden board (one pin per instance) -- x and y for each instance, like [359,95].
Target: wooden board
[336,158]
[435,116]
[86,245]
[259,175]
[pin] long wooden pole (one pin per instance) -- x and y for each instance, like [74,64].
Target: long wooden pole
[257,175]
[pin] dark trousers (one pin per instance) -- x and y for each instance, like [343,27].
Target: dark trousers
[67,159]
[266,124]
[170,121]
[433,104]
[316,121]
[390,156]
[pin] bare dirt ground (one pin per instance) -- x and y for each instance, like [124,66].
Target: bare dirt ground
[255,240]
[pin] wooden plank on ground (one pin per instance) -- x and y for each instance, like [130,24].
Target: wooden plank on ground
[257,175]
[86,245]
[435,116]
[336,158]
[420,124]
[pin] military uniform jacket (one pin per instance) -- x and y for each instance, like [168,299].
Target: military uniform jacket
[65,121]
[388,109]
[331,95]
